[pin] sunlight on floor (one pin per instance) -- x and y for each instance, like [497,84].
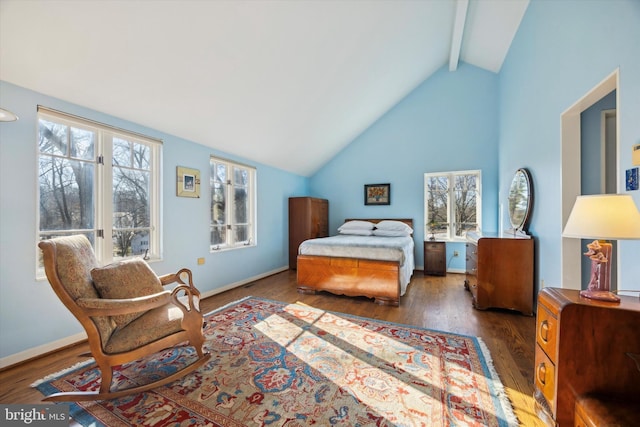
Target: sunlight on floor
[403,384]
[524,405]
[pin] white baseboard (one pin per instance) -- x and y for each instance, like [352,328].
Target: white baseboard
[74,339]
[41,349]
[242,282]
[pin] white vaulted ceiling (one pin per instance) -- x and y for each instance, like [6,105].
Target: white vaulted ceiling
[285,83]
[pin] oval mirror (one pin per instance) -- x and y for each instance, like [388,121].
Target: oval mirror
[520,199]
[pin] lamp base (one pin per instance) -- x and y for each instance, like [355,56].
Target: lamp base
[600,295]
[598,289]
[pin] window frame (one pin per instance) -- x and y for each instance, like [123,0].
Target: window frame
[230,207]
[451,207]
[102,231]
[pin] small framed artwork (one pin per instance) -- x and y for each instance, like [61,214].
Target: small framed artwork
[377,194]
[632,179]
[187,182]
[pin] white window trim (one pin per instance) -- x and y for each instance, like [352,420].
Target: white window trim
[253,212]
[452,237]
[104,197]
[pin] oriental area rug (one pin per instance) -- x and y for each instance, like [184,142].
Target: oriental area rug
[278,364]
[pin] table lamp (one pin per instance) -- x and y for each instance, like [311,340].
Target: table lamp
[606,217]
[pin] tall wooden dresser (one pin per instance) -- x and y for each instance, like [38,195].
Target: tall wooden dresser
[308,219]
[587,360]
[499,271]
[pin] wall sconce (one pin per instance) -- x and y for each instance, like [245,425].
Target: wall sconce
[7,116]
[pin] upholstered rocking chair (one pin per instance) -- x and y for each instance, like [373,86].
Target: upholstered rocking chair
[125,311]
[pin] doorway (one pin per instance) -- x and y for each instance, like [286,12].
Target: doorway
[570,129]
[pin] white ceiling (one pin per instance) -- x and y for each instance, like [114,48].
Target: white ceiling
[284,83]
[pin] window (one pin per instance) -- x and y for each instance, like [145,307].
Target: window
[98,181]
[453,202]
[233,206]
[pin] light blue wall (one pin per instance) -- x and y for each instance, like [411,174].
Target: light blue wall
[30,314]
[590,144]
[448,123]
[561,51]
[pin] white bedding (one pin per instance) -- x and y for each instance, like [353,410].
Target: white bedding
[366,247]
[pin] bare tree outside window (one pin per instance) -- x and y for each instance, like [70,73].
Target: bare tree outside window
[131,180]
[76,197]
[218,204]
[232,205]
[466,197]
[66,172]
[452,204]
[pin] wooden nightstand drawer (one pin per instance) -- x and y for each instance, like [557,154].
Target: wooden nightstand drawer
[435,258]
[546,331]
[434,246]
[545,377]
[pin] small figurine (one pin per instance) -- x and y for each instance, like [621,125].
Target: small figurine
[597,257]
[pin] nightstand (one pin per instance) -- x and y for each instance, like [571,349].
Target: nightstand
[435,258]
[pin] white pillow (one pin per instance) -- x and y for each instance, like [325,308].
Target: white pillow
[356,232]
[358,225]
[391,233]
[394,226]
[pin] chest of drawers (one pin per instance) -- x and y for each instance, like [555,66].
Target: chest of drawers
[584,346]
[499,272]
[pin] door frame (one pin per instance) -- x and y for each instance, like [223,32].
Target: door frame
[571,253]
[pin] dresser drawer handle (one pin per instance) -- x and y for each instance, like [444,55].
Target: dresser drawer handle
[544,331]
[541,372]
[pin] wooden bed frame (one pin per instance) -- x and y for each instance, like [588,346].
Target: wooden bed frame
[352,276]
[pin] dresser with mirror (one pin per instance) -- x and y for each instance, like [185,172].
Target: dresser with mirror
[499,267]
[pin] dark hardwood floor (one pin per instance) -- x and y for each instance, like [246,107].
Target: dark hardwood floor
[431,302]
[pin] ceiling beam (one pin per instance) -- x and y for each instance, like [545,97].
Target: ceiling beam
[458,31]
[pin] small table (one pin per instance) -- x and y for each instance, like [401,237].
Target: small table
[435,258]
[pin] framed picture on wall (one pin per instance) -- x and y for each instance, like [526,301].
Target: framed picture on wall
[187,182]
[377,194]
[632,179]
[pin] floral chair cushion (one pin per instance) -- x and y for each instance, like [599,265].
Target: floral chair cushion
[124,280]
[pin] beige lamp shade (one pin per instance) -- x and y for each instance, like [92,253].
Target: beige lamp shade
[604,216]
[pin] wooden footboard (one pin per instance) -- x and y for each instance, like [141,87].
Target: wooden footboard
[350,276]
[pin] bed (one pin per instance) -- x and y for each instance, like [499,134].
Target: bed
[378,267]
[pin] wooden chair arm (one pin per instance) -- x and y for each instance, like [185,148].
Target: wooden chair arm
[189,304]
[112,307]
[167,279]
[179,278]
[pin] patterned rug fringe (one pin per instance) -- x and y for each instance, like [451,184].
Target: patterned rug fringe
[63,372]
[501,394]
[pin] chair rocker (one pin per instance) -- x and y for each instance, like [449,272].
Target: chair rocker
[125,311]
